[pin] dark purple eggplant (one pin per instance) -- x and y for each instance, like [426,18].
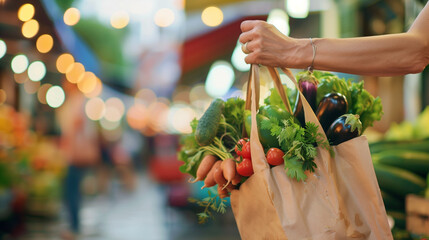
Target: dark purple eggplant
[346,127]
[307,84]
[332,106]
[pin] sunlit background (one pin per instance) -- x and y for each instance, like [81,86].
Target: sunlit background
[135,73]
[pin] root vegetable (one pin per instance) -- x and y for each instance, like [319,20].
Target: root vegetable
[229,172]
[204,167]
[210,180]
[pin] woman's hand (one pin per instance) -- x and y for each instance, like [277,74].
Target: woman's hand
[269,47]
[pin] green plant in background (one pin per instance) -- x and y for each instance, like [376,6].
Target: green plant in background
[64,4]
[106,43]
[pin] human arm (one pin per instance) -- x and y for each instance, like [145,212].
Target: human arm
[384,55]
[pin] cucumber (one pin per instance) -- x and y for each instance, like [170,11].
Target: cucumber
[391,202]
[416,162]
[209,123]
[411,145]
[398,181]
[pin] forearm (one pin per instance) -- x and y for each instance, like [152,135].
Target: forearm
[395,54]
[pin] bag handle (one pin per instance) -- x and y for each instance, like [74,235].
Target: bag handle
[253,91]
[309,114]
[252,103]
[277,84]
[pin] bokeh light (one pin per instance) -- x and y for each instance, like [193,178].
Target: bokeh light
[96,90]
[180,116]
[119,19]
[88,82]
[280,20]
[64,61]
[55,96]
[137,117]
[3,96]
[212,16]
[114,109]
[75,72]
[220,79]
[71,16]
[95,108]
[41,93]
[30,28]
[36,71]
[3,48]
[158,116]
[145,96]
[26,12]
[298,8]
[45,43]
[19,63]
[237,59]
[164,17]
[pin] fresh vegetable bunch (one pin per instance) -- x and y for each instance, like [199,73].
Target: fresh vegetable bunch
[218,152]
[343,107]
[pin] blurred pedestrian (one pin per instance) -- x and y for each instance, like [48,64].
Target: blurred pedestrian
[79,141]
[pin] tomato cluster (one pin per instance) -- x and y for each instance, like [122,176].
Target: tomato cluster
[244,157]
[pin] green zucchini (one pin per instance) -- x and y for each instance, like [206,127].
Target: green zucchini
[416,162]
[208,124]
[411,145]
[398,181]
[391,202]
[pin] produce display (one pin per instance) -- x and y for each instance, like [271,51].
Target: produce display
[401,164]
[218,151]
[31,168]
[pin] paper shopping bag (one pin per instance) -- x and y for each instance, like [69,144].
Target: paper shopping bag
[340,200]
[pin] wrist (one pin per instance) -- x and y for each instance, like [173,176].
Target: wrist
[304,53]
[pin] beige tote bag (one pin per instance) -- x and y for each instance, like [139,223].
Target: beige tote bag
[340,200]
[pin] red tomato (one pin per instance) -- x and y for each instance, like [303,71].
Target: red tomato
[239,147]
[245,168]
[245,152]
[275,156]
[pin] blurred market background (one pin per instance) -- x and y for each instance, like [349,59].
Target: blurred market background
[95,93]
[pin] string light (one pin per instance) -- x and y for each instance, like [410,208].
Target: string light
[64,61]
[164,17]
[3,48]
[26,12]
[19,63]
[45,43]
[120,19]
[36,71]
[71,16]
[30,28]
[212,16]
[55,96]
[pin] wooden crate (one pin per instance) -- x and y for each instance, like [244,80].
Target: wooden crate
[417,209]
